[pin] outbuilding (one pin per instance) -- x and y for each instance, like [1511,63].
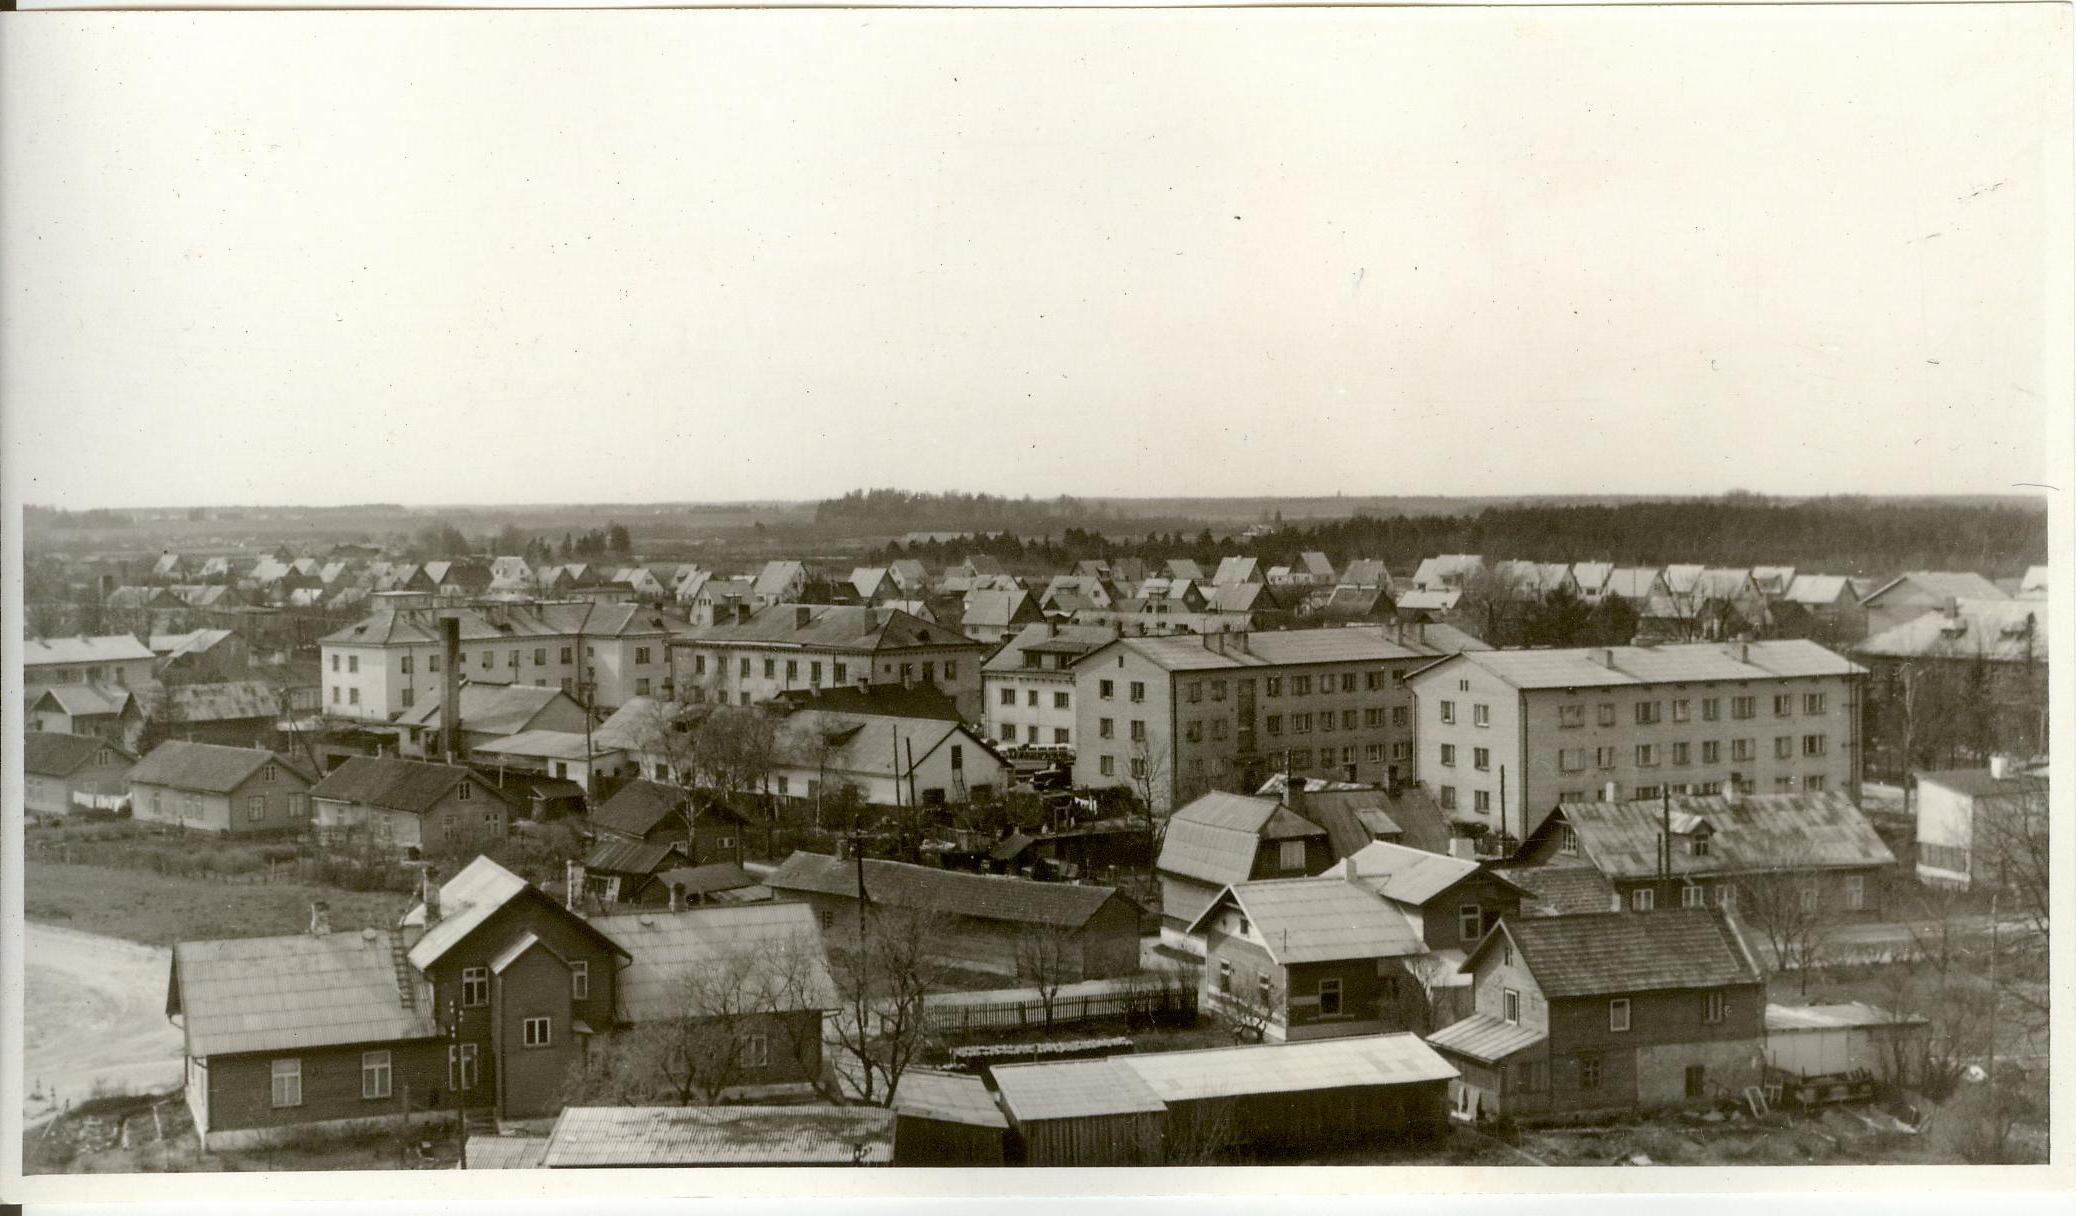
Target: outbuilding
[945,1118]
[1082,1113]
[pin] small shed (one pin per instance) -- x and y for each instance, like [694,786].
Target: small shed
[1807,1041]
[1300,1097]
[945,1118]
[592,1137]
[1082,1113]
[506,1152]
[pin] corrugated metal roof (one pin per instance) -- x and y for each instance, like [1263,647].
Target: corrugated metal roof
[489,709]
[627,856]
[1940,584]
[980,896]
[506,1152]
[109,648]
[1405,875]
[1220,809]
[466,901]
[1691,662]
[1277,1068]
[948,1097]
[720,1136]
[1805,831]
[1311,920]
[283,993]
[1484,1037]
[1630,952]
[775,947]
[1074,1089]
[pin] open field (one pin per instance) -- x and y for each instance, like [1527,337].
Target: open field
[94,1019]
[160,909]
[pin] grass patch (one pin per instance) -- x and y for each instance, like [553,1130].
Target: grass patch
[160,909]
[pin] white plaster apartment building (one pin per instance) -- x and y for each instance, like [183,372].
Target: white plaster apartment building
[791,647]
[1633,722]
[1179,715]
[375,669]
[1029,683]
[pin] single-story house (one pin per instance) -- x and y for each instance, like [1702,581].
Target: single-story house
[232,791]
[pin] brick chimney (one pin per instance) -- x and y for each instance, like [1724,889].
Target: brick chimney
[430,894]
[320,918]
[802,614]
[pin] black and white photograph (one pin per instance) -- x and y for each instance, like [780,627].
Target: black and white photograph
[1007,590]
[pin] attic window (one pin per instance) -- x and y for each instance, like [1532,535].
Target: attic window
[1697,845]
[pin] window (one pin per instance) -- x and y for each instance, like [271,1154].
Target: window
[352,664]
[1106,689]
[756,1050]
[1510,1002]
[1225,976]
[814,672]
[1448,755]
[569,655]
[1195,691]
[1218,728]
[1106,728]
[1009,732]
[410,696]
[1009,696]
[1693,896]
[1741,749]
[1618,1014]
[1448,712]
[1682,710]
[1697,845]
[1711,708]
[1138,730]
[1645,793]
[1301,686]
[461,1067]
[951,671]
[841,672]
[488,659]
[1217,690]
[641,655]
[465,792]
[1743,707]
[1347,681]
[1263,990]
[1715,1006]
[1571,717]
[1814,783]
[1571,759]
[1567,839]
[353,696]
[1681,752]
[287,1077]
[1273,686]
[1481,758]
[1274,724]
[1138,690]
[1347,719]
[1329,998]
[374,1074]
[1783,746]
[1856,892]
[1646,755]
[1589,1072]
[1643,899]
[475,986]
[1711,751]
[335,662]
[1783,704]
[1646,713]
[536,1032]
[1138,767]
[1291,854]
[641,686]
[1603,757]
[1398,715]
[1813,745]
[1447,794]
[827,918]
[1812,703]
[1481,715]
[1107,765]
[580,980]
[1605,715]
[1402,749]
[1062,735]
[1481,801]
[1470,922]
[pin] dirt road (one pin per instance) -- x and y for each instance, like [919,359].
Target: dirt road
[94,1015]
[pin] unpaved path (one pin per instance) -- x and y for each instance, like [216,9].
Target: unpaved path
[94,1015]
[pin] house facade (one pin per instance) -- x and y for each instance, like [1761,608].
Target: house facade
[1503,736]
[61,772]
[1029,683]
[229,791]
[1578,1015]
[1307,958]
[412,805]
[802,647]
[1966,816]
[117,659]
[1220,840]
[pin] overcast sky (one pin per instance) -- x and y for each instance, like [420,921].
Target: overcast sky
[550,257]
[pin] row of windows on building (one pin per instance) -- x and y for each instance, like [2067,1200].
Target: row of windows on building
[1650,713]
[1007,732]
[1621,1012]
[487,659]
[1449,798]
[1060,700]
[1369,718]
[80,675]
[839,672]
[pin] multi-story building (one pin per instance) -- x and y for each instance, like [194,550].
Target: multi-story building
[1029,683]
[1173,717]
[801,647]
[117,659]
[600,653]
[1503,731]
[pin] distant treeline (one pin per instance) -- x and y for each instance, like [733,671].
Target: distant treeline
[54,517]
[908,510]
[1831,535]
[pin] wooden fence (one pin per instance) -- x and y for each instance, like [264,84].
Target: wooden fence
[1155,1005]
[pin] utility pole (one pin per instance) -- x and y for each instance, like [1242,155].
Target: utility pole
[461,1079]
[1996,1116]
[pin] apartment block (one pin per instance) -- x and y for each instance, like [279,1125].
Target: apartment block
[1029,683]
[752,658]
[1503,732]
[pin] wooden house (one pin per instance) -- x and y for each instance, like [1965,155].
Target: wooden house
[1220,839]
[1306,958]
[413,805]
[230,791]
[701,826]
[1606,1012]
[62,772]
[105,711]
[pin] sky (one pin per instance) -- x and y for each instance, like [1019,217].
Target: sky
[539,257]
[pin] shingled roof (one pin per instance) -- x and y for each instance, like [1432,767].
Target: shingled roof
[207,768]
[834,627]
[979,896]
[1754,833]
[49,753]
[637,807]
[290,993]
[1614,952]
[391,783]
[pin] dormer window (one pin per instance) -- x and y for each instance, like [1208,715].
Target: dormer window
[1697,845]
[1568,840]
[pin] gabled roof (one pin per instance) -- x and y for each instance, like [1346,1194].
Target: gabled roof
[621,856]
[1448,568]
[231,701]
[2001,631]
[547,745]
[773,947]
[712,878]
[1819,589]
[50,753]
[392,783]
[1437,599]
[205,767]
[873,582]
[1981,783]
[1313,920]
[490,709]
[1755,833]
[1074,1089]
[1044,638]
[627,1136]
[999,609]
[778,579]
[1407,875]
[196,641]
[82,700]
[1591,576]
[865,743]
[947,1097]
[291,993]
[1215,838]
[470,898]
[844,627]
[1939,584]
[1192,652]
[109,648]
[638,806]
[1358,1061]
[1484,1037]
[979,896]
[1236,570]
[1617,952]
[1564,889]
[1366,572]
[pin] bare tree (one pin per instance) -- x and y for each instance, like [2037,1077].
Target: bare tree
[1047,958]
[1250,1006]
[878,986]
[1149,815]
[2011,840]
[1788,909]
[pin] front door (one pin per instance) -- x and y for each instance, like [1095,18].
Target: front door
[1697,1080]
